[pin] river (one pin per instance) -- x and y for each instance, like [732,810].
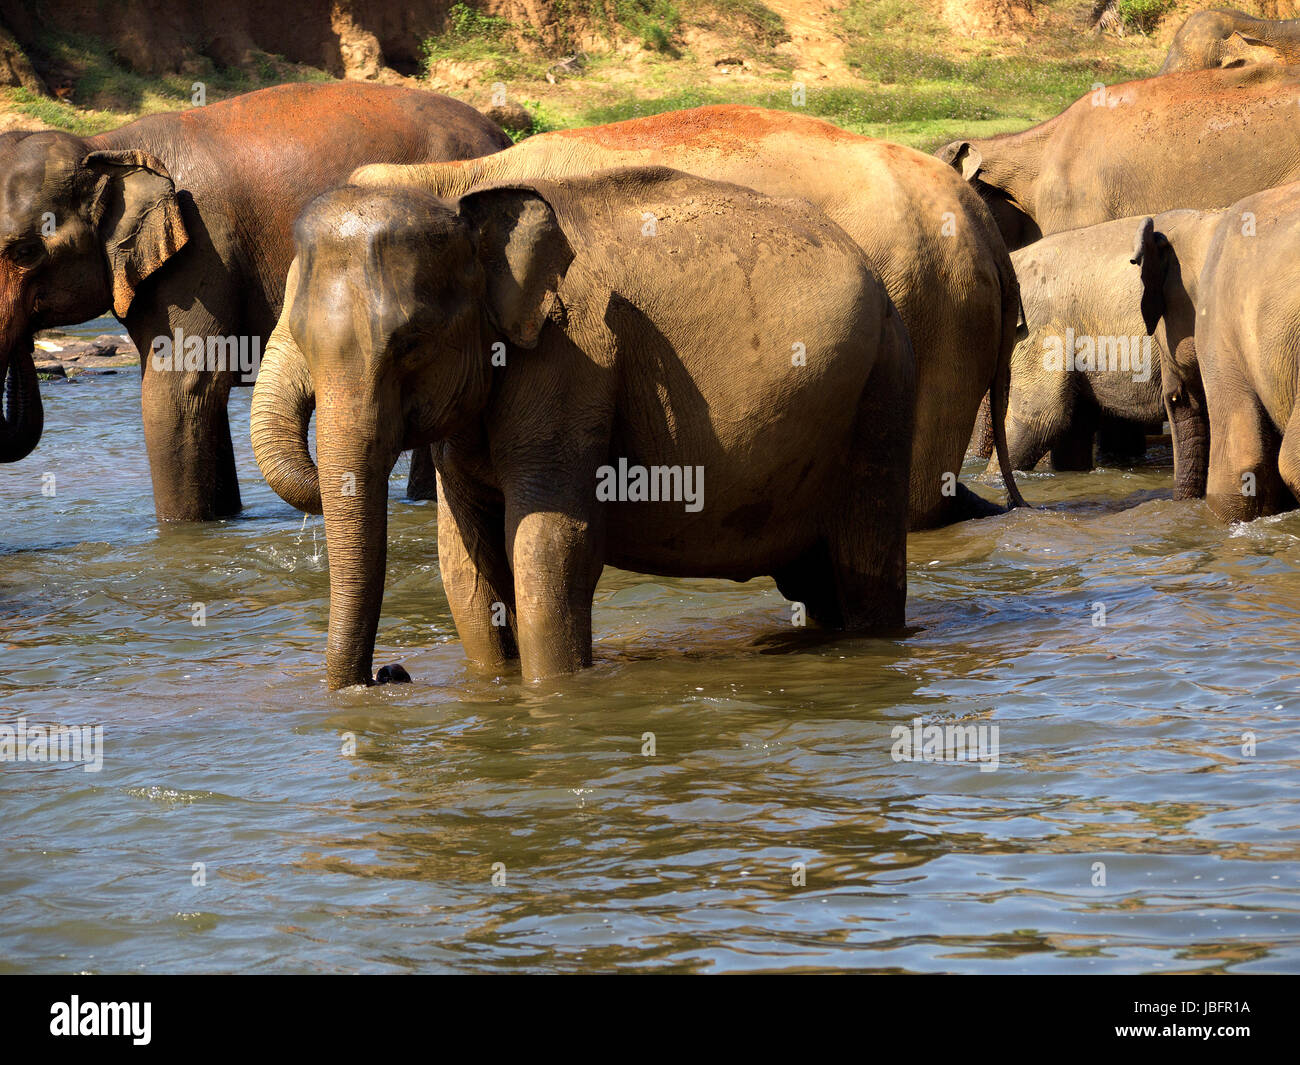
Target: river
[718,793]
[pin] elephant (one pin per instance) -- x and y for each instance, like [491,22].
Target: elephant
[579,372]
[180,224]
[926,235]
[1224,37]
[1203,139]
[1245,359]
[1106,304]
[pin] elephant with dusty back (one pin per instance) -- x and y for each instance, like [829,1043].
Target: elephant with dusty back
[925,233]
[1240,444]
[1203,139]
[639,368]
[1108,307]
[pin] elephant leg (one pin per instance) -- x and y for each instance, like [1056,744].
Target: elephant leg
[1243,482]
[476,577]
[187,434]
[867,531]
[956,356]
[1120,442]
[1072,448]
[557,560]
[421,483]
[1288,459]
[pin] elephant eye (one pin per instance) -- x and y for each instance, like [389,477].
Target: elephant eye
[27,252]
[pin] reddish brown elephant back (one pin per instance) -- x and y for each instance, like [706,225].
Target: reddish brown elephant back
[257,159]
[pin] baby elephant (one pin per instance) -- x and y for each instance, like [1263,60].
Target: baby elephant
[637,367]
[1108,307]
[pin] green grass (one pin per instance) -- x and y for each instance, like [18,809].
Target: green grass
[60,115]
[925,96]
[1142,15]
[472,37]
[763,24]
[106,94]
[911,79]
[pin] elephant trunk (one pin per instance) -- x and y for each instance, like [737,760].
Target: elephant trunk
[283,400]
[21,415]
[354,466]
[1189,420]
[1013,324]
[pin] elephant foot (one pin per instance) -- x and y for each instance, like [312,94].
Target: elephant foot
[393,674]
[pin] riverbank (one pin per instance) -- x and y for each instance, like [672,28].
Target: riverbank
[917,71]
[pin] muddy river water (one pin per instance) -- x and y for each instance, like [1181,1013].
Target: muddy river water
[721,792]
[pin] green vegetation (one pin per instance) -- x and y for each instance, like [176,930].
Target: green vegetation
[763,24]
[543,121]
[655,22]
[468,24]
[897,70]
[927,83]
[1142,15]
[105,94]
[472,37]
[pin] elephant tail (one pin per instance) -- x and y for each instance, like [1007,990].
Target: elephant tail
[1014,329]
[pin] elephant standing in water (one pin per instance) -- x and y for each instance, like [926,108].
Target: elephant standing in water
[1107,306]
[925,233]
[583,351]
[1246,358]
[1203,139]
[1227,38]
[180,224]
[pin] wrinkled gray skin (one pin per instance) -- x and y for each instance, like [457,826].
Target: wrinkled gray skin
[672,348]
[952,283]
[1124,278]
[1202,139]
[1225,37]
[182,222]
[1247,351]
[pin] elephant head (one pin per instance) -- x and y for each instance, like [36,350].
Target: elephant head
[393,306]
[1000,195]
[79,230]
[1169,271]
[1220,38]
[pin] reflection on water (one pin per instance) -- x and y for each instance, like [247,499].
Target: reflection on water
[1120,744]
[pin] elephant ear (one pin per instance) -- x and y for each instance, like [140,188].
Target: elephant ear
[963,157]
[138,218]
[524,253]
[1239,49]
[1151,251]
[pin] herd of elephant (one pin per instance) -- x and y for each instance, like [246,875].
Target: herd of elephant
[814,320]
